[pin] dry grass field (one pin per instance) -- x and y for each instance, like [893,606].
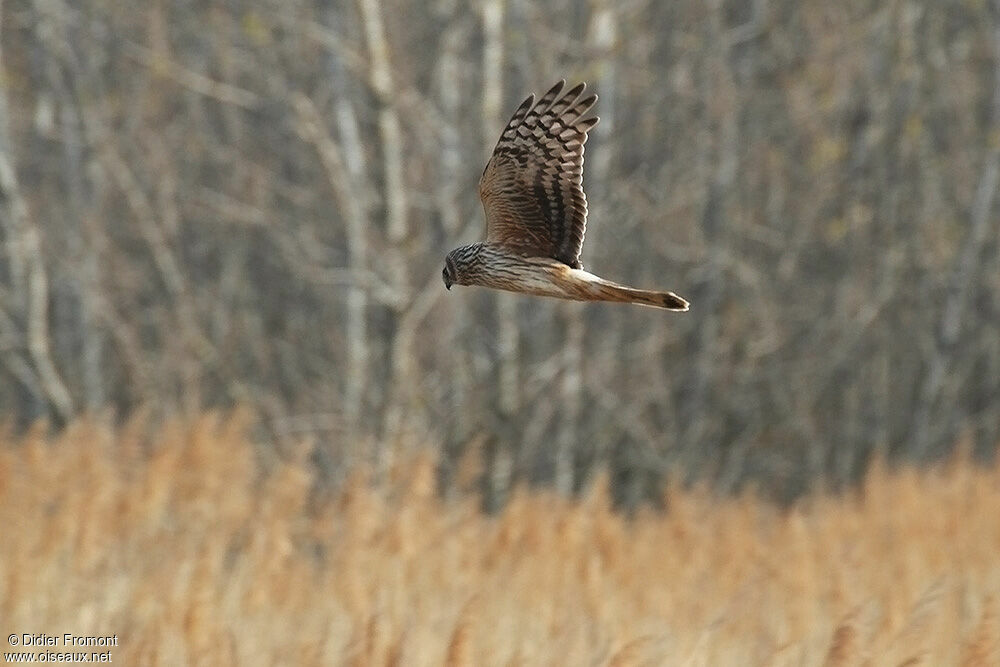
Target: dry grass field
[192,551]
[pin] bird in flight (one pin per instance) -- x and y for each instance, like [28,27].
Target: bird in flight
[536,210]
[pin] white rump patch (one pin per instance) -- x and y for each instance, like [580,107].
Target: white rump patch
[586,275]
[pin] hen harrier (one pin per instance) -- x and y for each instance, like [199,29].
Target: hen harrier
[536,210]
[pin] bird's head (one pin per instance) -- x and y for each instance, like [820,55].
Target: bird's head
[448,273]
[460,265]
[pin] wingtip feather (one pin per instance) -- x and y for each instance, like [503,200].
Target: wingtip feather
[676,303]
[555,89]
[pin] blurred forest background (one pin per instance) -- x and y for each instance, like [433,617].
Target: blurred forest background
[209,204]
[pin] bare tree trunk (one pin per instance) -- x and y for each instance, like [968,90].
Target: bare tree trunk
[724,158]
[451,216]
[35,297]
[963,277]
[390,135]
[29,277]
[603,35]
[508,334]
[356,226]
[88,285]
[344,171]
[13,221]
[568,439]
[357,262]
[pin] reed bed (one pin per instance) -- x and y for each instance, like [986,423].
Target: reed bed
[193,548]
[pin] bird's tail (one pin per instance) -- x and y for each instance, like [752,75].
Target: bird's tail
[605,290]
[665,300]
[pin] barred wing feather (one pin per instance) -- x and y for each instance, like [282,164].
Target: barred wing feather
[532,187]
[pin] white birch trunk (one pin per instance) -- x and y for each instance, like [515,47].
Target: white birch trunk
[356,223]
[29,277]
[450,212]
[381,81]
[508,334]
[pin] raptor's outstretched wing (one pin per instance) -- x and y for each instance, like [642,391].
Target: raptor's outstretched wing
[532,187]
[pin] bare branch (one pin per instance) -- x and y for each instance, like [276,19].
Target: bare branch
[193,81]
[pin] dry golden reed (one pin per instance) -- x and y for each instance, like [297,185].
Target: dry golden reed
[844,650]
[190,549]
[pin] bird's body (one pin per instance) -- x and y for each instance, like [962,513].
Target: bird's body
[536,210]
[496,267]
